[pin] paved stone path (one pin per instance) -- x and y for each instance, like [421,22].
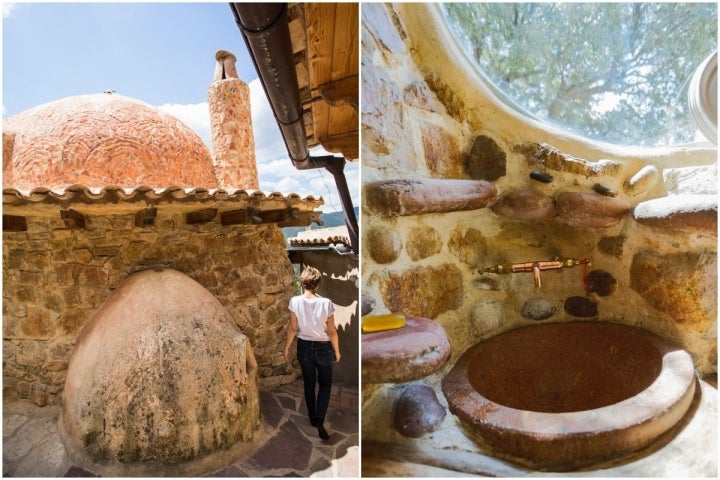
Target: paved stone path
[32,447]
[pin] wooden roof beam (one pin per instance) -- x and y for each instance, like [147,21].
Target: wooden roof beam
[339,92]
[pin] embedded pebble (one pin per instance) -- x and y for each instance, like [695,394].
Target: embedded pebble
[601,282]
[367,303]
[606,190]
[538,308]
[526,205]
[383,244]
[581,307]
[541,176]
[418,411]
[486,283]
[612,245]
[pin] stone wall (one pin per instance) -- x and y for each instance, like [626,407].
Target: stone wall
[453,183]
[55,277]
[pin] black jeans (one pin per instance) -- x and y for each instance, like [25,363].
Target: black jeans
[316,362]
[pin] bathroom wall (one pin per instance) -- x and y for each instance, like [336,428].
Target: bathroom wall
[56,277]
[646,219]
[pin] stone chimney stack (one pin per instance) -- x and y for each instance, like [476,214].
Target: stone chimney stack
[7,148]
[233,145]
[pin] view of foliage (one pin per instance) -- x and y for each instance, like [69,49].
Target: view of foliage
[612,72]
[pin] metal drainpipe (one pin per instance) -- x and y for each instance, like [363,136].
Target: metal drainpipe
[264,26]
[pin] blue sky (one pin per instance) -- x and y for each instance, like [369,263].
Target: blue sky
[160,53]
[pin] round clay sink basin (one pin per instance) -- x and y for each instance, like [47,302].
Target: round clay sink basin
[562,395]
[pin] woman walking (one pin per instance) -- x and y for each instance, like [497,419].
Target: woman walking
[312,320]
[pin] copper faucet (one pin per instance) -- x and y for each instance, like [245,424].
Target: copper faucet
[536,267]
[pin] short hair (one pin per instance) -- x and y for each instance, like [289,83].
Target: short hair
[310,278]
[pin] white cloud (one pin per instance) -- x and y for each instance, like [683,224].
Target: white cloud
[269,144]
[8,8]
[195,115]
[275,170]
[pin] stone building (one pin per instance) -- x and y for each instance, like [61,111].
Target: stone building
[99,187]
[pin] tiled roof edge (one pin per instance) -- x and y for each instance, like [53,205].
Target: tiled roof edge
[114,193]
[321,237]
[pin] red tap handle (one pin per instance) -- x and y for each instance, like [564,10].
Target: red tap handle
[586,283]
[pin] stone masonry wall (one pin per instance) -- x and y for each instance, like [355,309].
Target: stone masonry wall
[54,278]
[428,131]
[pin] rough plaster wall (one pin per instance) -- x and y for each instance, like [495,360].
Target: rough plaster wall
[54,278]
[420,120]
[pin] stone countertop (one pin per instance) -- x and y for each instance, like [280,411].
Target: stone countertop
[412,352]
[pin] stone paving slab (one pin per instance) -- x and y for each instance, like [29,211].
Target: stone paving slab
[32,446]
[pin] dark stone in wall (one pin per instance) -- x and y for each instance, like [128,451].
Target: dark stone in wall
[486,283]
[418,411]
[601,282]
[581,307]
[606,190]
[612,245]
[542,177]
[487,161]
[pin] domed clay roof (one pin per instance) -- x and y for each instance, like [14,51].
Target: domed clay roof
[101,140]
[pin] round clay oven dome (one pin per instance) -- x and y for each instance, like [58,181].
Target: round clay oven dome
[160,374]
[102,140]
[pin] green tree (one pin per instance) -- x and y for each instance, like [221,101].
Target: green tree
[610,71]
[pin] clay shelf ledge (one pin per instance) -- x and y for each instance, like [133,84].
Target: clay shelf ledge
[409,353]
[694,213]
[399,197]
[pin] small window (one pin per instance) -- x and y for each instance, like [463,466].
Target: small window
[612,72]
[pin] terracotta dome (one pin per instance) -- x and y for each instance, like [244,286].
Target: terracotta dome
[101,140]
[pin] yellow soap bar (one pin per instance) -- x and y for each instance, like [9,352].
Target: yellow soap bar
[378,323]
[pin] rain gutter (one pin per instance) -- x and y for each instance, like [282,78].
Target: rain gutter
[264,26]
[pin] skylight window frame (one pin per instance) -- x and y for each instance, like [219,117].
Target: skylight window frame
[504,101]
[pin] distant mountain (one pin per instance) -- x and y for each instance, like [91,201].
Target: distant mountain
[332,219]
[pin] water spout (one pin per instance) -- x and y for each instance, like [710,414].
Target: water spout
[537,266]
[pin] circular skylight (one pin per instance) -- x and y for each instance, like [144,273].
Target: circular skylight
[612,72]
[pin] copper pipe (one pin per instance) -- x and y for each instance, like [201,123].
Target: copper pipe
[536,267]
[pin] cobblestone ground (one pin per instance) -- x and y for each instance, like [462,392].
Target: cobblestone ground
[32,446]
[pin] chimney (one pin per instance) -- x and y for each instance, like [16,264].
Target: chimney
[8,146]
[233,145]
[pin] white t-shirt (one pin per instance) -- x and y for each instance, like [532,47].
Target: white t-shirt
[312,315]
